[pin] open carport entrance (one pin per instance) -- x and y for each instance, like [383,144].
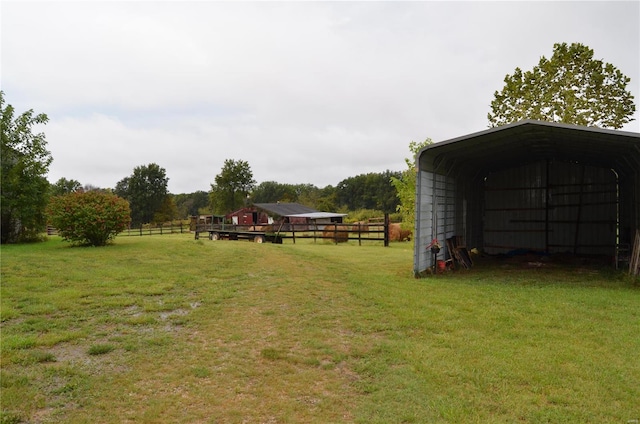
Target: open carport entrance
[531,186]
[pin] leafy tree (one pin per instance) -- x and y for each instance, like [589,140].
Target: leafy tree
[406,186]
[92,218]
[145,190]
[572,87]
[191,204]
[368,191]
[25,163]
[232,186]
[271,192]
[324,199]
[64,186]
[305,194]
[167,212]
[314,197]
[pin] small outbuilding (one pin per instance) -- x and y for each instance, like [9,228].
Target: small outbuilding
[529,186]
[300,216]
[316,220]
[270,214]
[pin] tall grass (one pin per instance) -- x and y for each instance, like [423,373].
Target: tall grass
[170,329]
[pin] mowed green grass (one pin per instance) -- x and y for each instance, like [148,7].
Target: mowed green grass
[168,329]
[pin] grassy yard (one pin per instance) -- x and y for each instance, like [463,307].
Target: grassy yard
[168,329]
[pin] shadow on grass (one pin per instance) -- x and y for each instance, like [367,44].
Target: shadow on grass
[531,269]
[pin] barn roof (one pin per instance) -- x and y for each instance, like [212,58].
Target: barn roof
[477,154]
[284,209]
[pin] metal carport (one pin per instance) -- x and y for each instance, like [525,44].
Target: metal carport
[529,185]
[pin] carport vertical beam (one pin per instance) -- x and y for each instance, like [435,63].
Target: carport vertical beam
[546,209]
[579,217]
[434,208]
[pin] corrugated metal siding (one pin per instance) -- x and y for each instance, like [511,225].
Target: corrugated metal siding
[514,209]
[583,209]
[435,205]
[551,207]
[470,223]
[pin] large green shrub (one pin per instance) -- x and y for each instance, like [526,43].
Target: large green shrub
[93,218]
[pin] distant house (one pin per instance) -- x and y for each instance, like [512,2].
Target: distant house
[265,213]
[281,214]
[529,186]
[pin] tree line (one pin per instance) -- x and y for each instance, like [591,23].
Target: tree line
[570,87]
[234,187]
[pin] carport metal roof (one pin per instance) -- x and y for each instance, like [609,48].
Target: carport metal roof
[477,154]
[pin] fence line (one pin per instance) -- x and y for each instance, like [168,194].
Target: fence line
[340,232]
[336,232]
[143,230]
[160,229]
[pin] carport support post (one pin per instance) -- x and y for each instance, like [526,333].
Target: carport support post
[546,209]
[576,238]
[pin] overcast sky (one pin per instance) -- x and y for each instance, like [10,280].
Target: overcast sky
[305,92]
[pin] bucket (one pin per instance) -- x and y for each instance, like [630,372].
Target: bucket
[441,265]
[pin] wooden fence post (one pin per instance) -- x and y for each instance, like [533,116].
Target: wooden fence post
[386,230]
